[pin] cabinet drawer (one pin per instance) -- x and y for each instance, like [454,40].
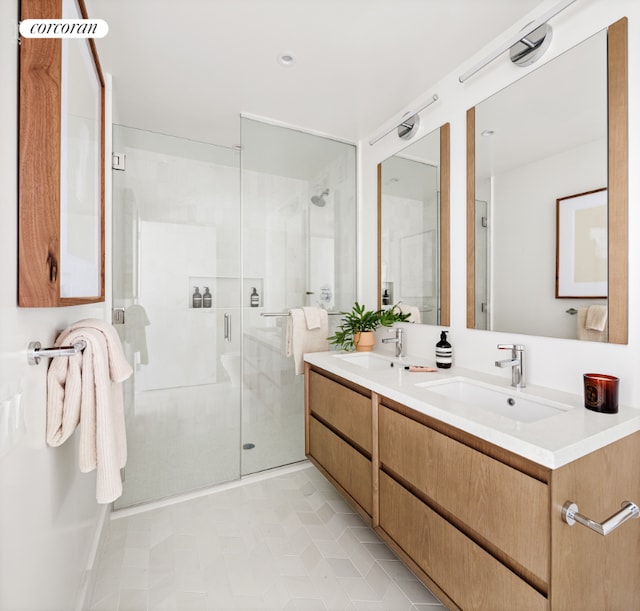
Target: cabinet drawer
[345,464]
[501,504]
[471,577]
[344,409]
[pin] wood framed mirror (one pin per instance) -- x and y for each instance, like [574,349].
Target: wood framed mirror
[560,130]
[61,165]
[413,229]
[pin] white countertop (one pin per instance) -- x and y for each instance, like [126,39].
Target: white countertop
[552,442]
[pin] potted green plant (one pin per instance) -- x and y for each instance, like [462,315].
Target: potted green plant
[356,329]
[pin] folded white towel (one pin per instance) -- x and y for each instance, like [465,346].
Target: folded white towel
[312,318]
[300,340]
[596,317]
[85,389]
[587,334]
[413,310]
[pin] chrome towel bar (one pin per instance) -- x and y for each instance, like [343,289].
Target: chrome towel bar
[570,515]
[35,352]
[270,314]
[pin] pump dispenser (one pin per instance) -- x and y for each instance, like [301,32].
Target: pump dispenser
[255,298]
[207,298]
[444,352]
[197,298]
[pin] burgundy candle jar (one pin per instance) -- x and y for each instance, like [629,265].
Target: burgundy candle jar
[601,393]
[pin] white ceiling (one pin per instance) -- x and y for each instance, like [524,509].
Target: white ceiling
[190,67]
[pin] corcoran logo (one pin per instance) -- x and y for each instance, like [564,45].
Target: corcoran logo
[64,28]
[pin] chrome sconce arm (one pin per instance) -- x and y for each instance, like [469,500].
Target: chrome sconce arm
[570,515]
[407,124]
[526,46]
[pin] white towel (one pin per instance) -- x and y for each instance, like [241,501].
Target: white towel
[585,333]
[85,389]
[312,318]
[413,310]
[596,317]
[301,340]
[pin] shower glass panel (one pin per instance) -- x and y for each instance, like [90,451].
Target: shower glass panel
[176,226]
[298,249]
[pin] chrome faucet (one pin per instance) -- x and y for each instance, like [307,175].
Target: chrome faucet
[516,362]
[398,340]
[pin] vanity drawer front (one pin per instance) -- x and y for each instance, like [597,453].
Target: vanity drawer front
[345,464]
[344,409]
[503,505]
[471,577]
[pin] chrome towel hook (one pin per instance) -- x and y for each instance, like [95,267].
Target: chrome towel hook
[35,352]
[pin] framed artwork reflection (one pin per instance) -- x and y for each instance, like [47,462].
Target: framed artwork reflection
[582,245]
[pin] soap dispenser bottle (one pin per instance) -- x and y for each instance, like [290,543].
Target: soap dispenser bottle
[197,298]
[207,298]
[444,352]
[255,298]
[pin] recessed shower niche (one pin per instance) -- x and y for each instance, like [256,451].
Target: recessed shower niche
[208,292]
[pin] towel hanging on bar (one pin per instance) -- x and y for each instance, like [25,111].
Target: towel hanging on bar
[84,389]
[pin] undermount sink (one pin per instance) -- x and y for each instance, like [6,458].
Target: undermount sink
[500,401]
[366,360]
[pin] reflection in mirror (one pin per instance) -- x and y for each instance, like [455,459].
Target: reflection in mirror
[413,229]
[536,152]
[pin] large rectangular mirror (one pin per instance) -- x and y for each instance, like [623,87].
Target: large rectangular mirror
[61,165]
[547,198]
[413,229]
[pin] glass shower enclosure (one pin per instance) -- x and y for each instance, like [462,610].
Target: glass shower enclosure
[211,248]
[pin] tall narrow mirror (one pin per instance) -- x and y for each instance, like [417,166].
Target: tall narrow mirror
[413,229]
[547,198]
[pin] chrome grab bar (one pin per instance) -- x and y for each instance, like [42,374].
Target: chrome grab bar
[570,515]
[35,352]
[270,314]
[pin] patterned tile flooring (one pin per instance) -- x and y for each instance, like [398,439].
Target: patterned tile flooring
[286,541]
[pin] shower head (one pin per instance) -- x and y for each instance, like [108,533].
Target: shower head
[318,200]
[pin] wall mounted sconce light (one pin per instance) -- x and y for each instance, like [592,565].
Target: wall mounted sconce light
[408,125]
[527,46]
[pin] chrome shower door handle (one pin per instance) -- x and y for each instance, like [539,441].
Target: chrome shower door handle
[227,326]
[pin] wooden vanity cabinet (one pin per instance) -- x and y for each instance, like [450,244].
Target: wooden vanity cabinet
[339,438]
[463,516]
[480,526]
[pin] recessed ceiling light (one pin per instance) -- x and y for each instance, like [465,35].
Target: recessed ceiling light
[286,59]
[488,132]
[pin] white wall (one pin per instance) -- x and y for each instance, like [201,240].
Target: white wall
[557,363]
[48,513]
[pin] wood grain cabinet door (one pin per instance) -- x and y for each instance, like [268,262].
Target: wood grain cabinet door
[507,509]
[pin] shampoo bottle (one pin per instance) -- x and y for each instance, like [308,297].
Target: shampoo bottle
[207,299]
[197,298]
[444,352]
